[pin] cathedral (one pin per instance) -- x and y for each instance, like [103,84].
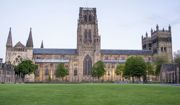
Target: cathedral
[79,61]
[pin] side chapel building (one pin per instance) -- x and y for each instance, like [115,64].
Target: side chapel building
[79,61]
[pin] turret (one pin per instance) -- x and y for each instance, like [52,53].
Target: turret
[163,30]
[42,45]
[162,42]
[146,42]
[157,27]
[151,30]
[9,40]
[30,40]
[169,28]
[146,34]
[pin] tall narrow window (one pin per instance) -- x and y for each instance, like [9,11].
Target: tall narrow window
[165,49]
[85,18]
[87,65]
[89,36]
[85,36]
[75,72]
[161,49]
[46,71]
[90,18]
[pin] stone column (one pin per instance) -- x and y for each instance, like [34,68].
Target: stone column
[178,78]
[168,75]
[51,71]
[174,76]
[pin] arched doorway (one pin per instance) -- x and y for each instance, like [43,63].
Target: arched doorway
[87,65]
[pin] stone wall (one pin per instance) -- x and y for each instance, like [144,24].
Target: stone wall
[7,74]
[170,73]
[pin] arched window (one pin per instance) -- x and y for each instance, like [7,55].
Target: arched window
[87,65]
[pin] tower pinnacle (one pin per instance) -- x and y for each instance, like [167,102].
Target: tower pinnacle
[157,27]
[42,45]
[9,39]
[169,28]
[30,39]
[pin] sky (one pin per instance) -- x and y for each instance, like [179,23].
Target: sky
[121,23]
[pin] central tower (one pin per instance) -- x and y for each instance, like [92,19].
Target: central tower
[88,40]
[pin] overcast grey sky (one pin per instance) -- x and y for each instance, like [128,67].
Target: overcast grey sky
[121,22]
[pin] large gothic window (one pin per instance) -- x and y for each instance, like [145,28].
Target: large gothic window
[87,65]
[17,60]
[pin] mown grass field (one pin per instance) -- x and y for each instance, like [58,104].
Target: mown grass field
[88,94]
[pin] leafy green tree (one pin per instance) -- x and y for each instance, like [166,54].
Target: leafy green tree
[150,68]
[120,69]
[25,67]
[135,66]
[177,57]
[159,60]
[61,71]
[149,71]
[98,69]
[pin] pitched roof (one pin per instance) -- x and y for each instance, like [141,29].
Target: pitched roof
[169,67]
[74,51]
[19,45]
[54,51]
[126,52]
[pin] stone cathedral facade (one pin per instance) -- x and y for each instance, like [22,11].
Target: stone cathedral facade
[79,61]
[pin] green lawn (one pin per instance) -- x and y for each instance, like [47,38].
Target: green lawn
[88,94]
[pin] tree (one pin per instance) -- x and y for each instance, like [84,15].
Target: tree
[120,69]
[135,67]
[159,60]
[149,71]
[61,71]
[98,69]
[150,68]
[25,67]
[177,57]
